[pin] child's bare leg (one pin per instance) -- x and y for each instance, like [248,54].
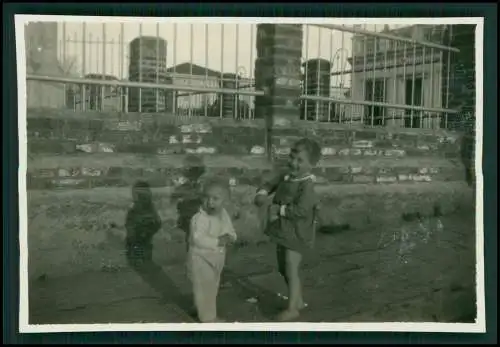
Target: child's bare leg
[295,303]
[293,260]
[281,257]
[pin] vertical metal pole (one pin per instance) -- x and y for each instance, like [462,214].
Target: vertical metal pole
[384,91]
[354,83]
[373,80]
[157,64]
[318,76]
[114,92]
[395,67]
[112,43]
[431,89]
[140,66]
[124,92]
[413,76]
[332,64]
[306,73]
[404,79]
[342,59]
[103,66]
[220,95]
[76,88]
[96,89]
[342,68]
[252,65]
[174,54]
[91,70]
[236,96]
[191,57]
[206,69]
[84,65]
[439,84]
[424,64]
[63,59]
[448,77]
[364,79]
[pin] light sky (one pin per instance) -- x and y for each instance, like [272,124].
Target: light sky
[221,47]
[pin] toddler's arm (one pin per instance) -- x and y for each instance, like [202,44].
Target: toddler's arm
[199,233]
[267,189]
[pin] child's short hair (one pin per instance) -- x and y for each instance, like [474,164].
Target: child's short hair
[309,146]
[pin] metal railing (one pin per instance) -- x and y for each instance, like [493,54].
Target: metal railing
[184,69]
[375,76]
[397,77]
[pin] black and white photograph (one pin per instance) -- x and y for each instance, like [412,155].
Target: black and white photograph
[237,173]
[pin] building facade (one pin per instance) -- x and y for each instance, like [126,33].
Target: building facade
[197,103]
[394,72]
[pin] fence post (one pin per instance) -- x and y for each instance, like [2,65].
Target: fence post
[277,72]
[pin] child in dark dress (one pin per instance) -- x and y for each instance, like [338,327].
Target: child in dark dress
[142,223]
[292,218]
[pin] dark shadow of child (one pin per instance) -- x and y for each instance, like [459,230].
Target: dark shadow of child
[142,223]
[187,196]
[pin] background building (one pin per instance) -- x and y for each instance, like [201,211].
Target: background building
[195,103]
[97,98]
[397,73]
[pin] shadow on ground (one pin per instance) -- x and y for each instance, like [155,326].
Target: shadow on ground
[371,275]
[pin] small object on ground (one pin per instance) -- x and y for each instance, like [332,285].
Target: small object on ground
[252,300]
[284,297]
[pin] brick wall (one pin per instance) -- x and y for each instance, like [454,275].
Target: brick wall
[68,149]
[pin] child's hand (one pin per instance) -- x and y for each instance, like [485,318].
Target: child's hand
[224,240]
[273,212]
[260,200]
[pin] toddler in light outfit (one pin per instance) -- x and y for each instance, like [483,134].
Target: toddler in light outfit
[211,230]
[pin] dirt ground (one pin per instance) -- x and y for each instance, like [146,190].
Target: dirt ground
[371,275]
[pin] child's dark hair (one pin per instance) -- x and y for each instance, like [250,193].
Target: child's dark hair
[145,196]
[309,146]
